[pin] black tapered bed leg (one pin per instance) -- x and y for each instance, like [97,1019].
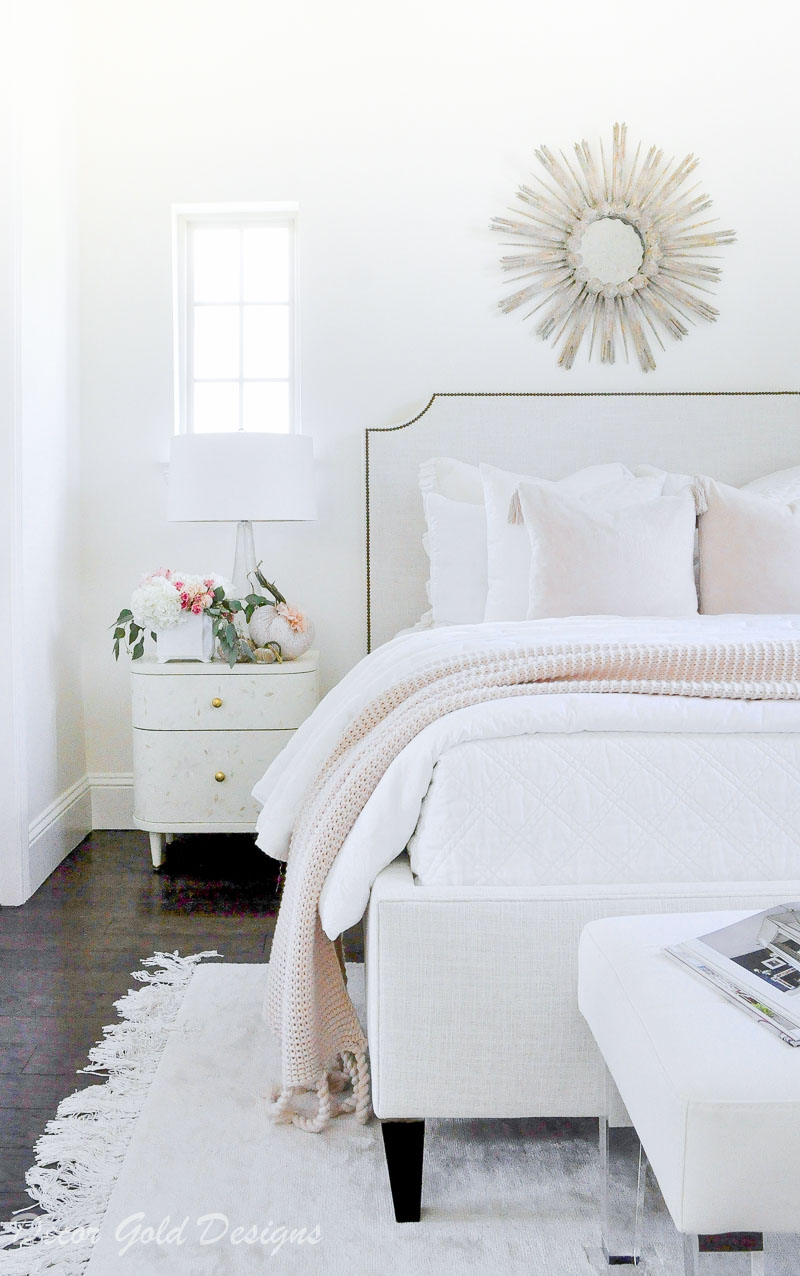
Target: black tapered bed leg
[404,1144]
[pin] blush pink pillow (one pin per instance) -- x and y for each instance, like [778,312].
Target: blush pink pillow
[749,553]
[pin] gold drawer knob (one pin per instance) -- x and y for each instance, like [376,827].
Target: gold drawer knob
[216,703]
[219,777]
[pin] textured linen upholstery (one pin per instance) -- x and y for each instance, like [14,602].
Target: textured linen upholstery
[472,991]
[714,1097]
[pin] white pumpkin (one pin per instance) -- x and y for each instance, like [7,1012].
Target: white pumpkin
[267,626]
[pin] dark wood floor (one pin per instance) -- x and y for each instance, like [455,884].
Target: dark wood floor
[67,954]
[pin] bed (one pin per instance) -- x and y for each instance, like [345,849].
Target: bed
[490,842]
[632,808]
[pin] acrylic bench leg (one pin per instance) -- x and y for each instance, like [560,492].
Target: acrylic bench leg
[621,1242]
[404,1145]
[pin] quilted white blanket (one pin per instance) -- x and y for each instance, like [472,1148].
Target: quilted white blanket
[322,784]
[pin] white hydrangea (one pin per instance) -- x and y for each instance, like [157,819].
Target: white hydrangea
[156,604]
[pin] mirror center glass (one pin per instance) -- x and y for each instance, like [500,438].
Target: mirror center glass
[612,250]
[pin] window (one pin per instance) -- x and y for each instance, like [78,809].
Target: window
[235,318]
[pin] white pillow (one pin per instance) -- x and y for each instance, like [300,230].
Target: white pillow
[456,544]
[451,478]
[508,550]
[587,561]
[457,482]
[783,485]
[749,552]
[670,483]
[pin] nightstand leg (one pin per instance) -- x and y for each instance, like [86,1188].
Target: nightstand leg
[157,849]
[169,838]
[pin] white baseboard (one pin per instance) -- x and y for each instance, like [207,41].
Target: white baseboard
[58,830]
[112,800]
[93,802]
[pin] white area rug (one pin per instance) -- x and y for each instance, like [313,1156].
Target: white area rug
[210,1186]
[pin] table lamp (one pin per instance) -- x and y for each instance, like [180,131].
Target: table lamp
[241,478]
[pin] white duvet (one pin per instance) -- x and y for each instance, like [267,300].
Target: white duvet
[390,816]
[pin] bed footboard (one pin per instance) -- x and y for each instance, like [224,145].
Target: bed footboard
[472,992]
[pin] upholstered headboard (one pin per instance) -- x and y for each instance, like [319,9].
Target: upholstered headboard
[733,436]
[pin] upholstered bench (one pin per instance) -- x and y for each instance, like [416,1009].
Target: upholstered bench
[714,1097]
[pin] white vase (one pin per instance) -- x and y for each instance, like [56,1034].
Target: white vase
[192,639]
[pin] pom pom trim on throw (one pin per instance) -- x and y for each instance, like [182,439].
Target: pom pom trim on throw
[80,1154]
[354,1071]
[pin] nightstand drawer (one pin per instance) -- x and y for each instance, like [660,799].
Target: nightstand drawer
[176,774]
[224,700]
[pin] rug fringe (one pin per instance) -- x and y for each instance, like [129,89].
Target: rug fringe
[80,1154]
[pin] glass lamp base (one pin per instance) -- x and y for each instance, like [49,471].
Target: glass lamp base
[244,560]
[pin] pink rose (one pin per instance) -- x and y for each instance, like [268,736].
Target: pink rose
[294,618]
[197,607]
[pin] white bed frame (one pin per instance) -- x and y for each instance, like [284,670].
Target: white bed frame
[471,994]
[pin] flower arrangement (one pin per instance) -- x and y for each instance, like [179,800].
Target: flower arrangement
[166,598]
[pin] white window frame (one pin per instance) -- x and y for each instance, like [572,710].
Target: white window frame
[184,218]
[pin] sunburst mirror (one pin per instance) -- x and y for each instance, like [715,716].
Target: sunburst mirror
[615,247]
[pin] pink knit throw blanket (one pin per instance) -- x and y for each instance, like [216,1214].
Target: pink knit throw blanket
[322,1043]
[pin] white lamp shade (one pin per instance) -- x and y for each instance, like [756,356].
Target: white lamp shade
[236,477]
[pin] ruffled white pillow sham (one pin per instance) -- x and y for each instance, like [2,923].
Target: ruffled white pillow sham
[456,544]
[590,559]
[454,540]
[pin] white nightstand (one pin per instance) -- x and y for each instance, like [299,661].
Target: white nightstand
[204,734]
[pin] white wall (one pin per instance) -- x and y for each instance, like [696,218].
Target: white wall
[52,807]
[13,804]
[401,131]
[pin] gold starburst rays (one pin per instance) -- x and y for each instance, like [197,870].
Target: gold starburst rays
[610,247]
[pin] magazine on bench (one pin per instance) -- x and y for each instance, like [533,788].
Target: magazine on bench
[755,963]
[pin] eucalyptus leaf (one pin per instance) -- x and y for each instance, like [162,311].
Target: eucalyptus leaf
[138,649]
